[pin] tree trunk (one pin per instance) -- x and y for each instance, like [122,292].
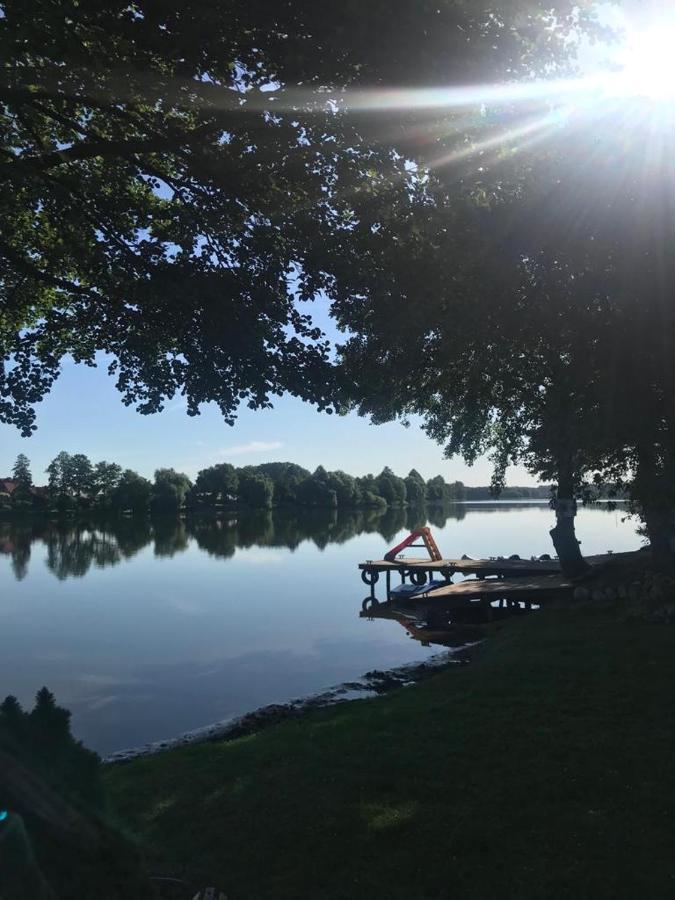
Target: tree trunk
[653,492]
[563,535]
[659,526]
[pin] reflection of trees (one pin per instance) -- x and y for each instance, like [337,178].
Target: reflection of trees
[439,515]
[170,536]
[16,543]
[217,537]
[73,547]
[132,533]
[391,522]
[255,529]
[72,550]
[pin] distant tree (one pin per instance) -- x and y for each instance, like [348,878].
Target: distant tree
[436,490]
[11,712]
[455,491]
[391,487]
[255,490]
[346,489]
[65,503]
[371,500]
[22,496]
[169,490]
[415,488]
[286,477]
[132,492]
[52,720]
[369,493]
[218,483]
[80,476]
[58,471]
[106,477]
[367,483]
[315,492]
[21,472]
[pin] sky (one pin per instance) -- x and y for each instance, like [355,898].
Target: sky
[84,414]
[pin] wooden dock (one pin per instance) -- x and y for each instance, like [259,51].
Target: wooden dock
[532,590]
[416,573]
[449,567]
[426,590]
[495,589]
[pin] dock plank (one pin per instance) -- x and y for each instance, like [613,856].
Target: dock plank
[467,566]
[511,589]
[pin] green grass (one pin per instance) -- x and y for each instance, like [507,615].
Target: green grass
[544,769]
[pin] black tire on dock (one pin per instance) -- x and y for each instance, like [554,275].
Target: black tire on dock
[418,578]
[370,577]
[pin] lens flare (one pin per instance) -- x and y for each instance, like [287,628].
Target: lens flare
[648,64]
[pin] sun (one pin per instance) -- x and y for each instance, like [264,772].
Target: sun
[647,64]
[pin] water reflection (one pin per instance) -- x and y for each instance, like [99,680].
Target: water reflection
[74,547]
[146,628]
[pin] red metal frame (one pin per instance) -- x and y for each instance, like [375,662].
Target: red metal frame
[428,542]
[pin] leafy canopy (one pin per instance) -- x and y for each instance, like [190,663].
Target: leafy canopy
[179,179]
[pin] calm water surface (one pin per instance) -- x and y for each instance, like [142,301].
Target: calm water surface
[149,629]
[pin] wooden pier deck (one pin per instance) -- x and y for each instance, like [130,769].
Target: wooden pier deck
[495,589]
[532,590]
[449,567]
[428,580]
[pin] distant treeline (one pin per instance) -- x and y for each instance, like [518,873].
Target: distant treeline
[77,483]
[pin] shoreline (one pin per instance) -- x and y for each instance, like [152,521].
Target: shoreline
[375,683]
[557,737]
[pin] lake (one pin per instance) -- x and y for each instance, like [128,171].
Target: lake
[147,629]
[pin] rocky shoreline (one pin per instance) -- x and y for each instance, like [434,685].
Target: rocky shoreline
[372,684]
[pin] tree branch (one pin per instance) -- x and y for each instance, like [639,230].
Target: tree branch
[26,166]
[31,270]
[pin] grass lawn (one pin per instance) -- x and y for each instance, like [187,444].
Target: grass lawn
[545,768]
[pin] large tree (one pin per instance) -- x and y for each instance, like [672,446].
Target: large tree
[177,175]
[534,319]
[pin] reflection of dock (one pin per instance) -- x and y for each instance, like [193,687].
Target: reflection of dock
[447,629]
[451,615]
[469,601]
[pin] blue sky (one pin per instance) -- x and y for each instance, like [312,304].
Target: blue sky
[84,414]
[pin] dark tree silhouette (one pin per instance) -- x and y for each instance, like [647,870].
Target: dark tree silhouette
[180,178]
[21,472]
